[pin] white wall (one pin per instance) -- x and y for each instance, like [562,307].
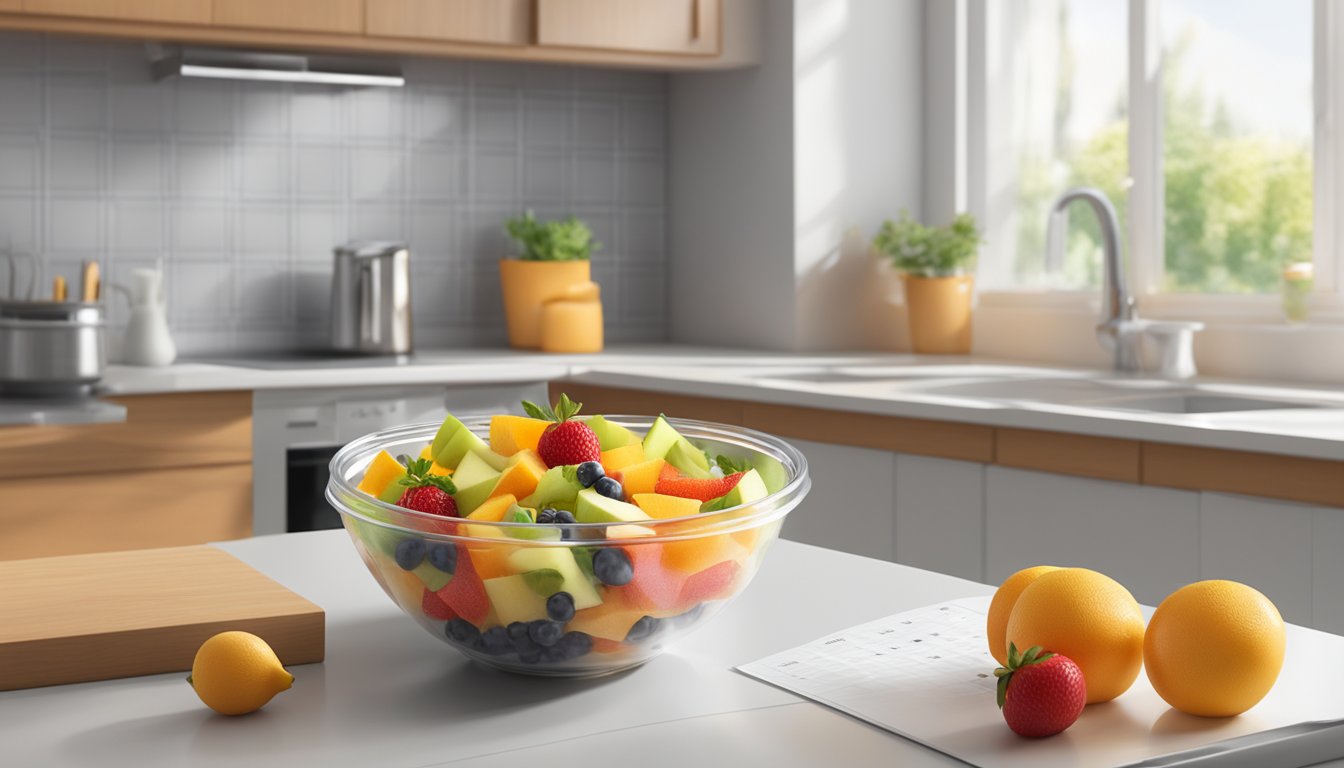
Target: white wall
[779,176]
[730,205]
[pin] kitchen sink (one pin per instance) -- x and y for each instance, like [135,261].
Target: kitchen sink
[1201,403]
[888,374]
[1138,395]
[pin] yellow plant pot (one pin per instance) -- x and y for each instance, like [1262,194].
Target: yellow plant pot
[571,326]
[940,313]
[528,285]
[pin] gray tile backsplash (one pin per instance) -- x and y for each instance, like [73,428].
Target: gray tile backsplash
[242,189]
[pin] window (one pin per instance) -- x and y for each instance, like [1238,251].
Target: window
[1198,118]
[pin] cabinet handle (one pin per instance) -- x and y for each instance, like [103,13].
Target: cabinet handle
[697,14]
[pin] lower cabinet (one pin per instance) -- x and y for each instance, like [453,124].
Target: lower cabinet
[106,512]
[1266,544]
[850,506]
[1327,570]
[939,513]
[1146,538]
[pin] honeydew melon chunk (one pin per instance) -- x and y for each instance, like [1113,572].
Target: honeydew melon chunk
[459,445]
[433,578]
[748,489]
[659,439]
[474,469]
[520,514]
[393,492]
[772,472]
[561,560]
[513,599]
[447,430]
[609,434]
[689,459]
[553,487]
[593,507]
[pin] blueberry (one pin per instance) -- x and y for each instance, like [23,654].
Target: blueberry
[443,557]
[530,657]
[575,644]
[546,516]
[589,472]
[560,607]
[564,517]
[545,633]
[495,641]
[689,617]
[462,631]
[410,553]
[516,630]
[612,567]
[610,488]
[643,629]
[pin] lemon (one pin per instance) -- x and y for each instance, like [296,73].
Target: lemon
[1001,607]
[1214,648]
[1088,617]
[237,672]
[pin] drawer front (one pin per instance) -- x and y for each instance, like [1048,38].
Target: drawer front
[164,11]
[497,22]
[339,16]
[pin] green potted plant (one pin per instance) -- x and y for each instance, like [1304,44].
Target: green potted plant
[552,267]
[935,264]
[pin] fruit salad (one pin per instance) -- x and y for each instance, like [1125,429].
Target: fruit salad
[566,544]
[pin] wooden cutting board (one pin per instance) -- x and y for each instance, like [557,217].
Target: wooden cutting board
[77,618]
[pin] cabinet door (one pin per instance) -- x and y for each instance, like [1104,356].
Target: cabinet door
[1327,578]
[647,26]
[124,510]
[338,16]
[11,5]
[850,507]
[164,11]
[1145,538]
[498,22]
[940,524]
[1263,543]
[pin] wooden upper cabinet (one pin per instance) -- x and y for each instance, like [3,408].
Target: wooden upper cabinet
[337,16]
[162,11]
[498,22]
[648,26]
[11,5]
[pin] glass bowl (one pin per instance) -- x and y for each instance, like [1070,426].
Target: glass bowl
[486,588]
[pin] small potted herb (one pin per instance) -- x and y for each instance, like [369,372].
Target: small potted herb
[935,264]
[551,267]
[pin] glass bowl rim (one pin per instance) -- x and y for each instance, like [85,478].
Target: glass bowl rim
[714,523]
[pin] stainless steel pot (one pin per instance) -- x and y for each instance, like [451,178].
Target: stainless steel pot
[371,298]
[51,348]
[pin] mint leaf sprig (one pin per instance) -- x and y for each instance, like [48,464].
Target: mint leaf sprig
[418,475]
[564,410]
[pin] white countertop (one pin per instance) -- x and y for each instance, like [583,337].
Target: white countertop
[388,694]
[16,412]
[762,376]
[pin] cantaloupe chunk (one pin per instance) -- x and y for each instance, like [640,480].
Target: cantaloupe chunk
[491,559]
[511,434]
[642,477]
[660,506]
[382,471]
[606,621]
[520,478]
[695,555]
[492,511]
[617,459]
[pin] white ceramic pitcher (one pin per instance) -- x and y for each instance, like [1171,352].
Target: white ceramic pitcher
[148,341]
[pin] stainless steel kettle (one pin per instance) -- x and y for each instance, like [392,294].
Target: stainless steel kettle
[371,298]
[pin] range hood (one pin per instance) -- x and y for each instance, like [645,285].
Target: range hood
[225,64]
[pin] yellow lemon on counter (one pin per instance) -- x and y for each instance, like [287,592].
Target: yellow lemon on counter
[1089,617]
[1001,607]
[237,672]
[1214,648]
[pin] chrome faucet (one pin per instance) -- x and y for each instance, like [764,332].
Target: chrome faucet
[1119,330]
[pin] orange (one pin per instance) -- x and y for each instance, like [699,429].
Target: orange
[1214,648]
[996,625]
[1088,617]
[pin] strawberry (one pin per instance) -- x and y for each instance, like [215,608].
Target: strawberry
[427,492]
[1040,693]
[673,483]
[565,441]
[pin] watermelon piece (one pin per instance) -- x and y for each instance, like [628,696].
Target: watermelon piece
[655,588]
[713,583]
[672,483]
[465,594]
[434,607]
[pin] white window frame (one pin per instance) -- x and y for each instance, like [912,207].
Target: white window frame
[1143,241]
